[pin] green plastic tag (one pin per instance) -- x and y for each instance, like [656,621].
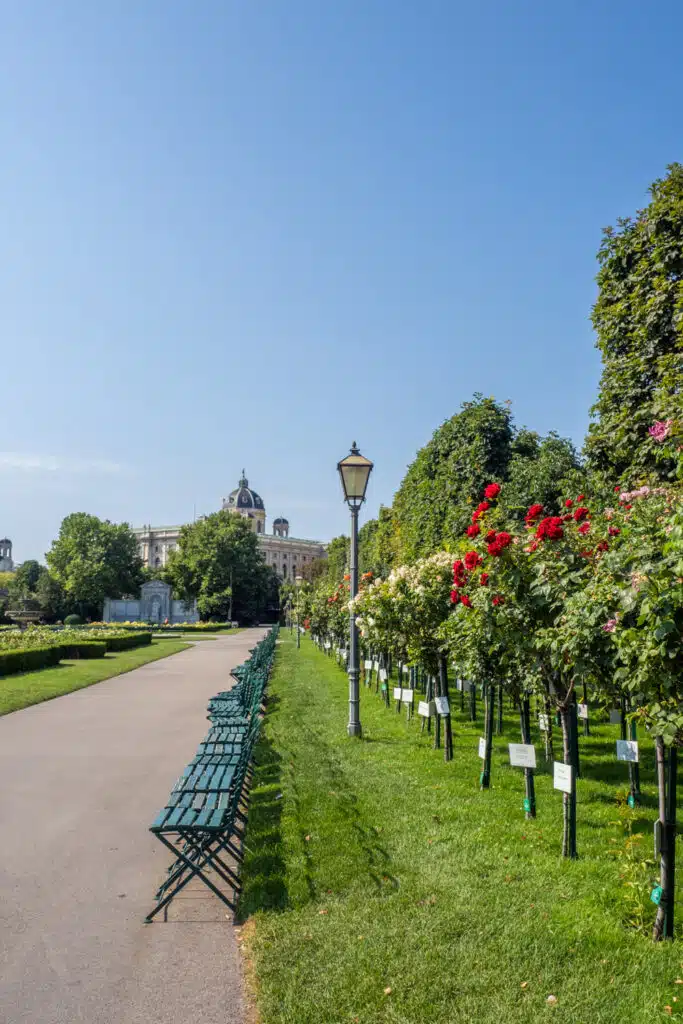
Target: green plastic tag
[631,800]
[384,687]
[481,779]
[656,895]
[527,804]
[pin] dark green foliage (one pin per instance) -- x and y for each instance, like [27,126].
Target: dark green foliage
[434,501]
[638,317]
[29,659]
[83,649]
[73,620]
[93,559]
[542,469]
[125,643]
[378,544]
[219,564]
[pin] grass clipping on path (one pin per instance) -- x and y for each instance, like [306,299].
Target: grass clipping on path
[20,690]
[380,884]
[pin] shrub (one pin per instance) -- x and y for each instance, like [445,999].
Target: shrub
[125,643]
[83,649]
[28,659]
[73,620]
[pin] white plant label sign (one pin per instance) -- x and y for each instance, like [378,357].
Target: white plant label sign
[562,777]
[614,716]
[582,711]
[407,696]
[397,692]
[327,645]
[482,747]
[383,675]
[406,670]
[627,750]
[425,708]
[442,705]
[544,723]
[367,665]
[375,665]
[522,755]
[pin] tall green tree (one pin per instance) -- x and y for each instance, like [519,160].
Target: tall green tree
[542,469]
[434,501]
[638,317]
[93,559]
[219,564]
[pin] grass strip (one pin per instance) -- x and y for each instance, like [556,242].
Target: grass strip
[381,885]
[21,690]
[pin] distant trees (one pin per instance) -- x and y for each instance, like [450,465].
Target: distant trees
[219,564]
[93,559]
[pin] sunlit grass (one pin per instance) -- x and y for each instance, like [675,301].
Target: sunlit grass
[373,865]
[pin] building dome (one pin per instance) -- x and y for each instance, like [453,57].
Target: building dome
[243,498]
[280,521]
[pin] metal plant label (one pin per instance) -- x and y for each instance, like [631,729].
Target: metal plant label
[544,723]
[522,755]
[482,747]
[582,711]
[627,750]
[442,705]
[407,696]
[614,716]
[367,665]
[562,776]
[383,675]
[425,708]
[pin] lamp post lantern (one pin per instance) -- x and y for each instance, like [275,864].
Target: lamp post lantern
[298,580]
[354,472]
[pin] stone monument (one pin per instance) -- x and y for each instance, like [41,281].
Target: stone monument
[155,605]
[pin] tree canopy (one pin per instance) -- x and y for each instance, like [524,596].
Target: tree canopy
[219,564]
[638,317]
[93,559]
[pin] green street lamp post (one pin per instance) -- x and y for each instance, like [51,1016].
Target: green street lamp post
[354,472]
[298,580]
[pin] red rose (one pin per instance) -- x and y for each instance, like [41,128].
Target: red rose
[455,596]
[550,528]
[484,579]
[586,554]
[627,507]
[495,549]
[579,497]
[568,503]
[613,531]
[458,565]
[472,560]
[466,601]
[533,545]
[581,513]
[490,536]
[617,489]
[504,539]
[498,599]
[492,491]
[473,530]
[533,513]
[584,528]
[482,507]
[567,518]
[602,546]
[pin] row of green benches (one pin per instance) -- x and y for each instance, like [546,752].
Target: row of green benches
[205,811]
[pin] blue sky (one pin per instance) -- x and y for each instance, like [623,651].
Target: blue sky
[246,234]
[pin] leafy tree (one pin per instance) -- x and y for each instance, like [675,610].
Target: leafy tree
[542,469]
[27,575]
[638,317]
[434,500]
[378,543]
[219,564]
[93,559]
[51,597]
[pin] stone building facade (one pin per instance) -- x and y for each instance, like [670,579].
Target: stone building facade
[288,555]
[6,563]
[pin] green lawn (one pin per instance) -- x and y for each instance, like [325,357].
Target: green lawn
[380,884]
[18,691]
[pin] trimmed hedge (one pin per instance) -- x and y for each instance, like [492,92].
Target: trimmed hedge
[125,643]
[28,659]
[83,649]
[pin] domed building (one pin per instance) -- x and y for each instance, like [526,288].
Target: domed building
[6,563]
[248,504]
[287,555]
